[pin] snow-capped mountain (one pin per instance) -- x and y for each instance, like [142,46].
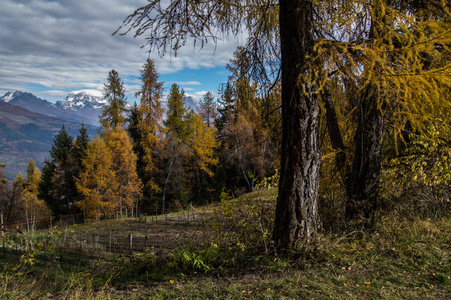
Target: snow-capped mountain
[35,104]
[81,100]
[191,102]
[25,134]
[88,107]
[76,107]
[8,96]
[24,98]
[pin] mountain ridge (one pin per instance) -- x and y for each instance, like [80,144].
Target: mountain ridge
[25,134]
[28,124]
[79,107]
[45,107]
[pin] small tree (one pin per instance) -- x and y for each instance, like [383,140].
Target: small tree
[57,184]
[201,158]
[207,109]
[128,185]
[80,144]
[97,182]
[176,115]
[113,112]
[33,208]
[10,196]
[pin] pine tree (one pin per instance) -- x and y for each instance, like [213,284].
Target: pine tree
[226,107]
[247,152]
[175,148]
[78,153]
[207,109]
[176,116]
[113,112]
[134,123]
[57,185]
[80,144]
[45,183]
[148,124]
[61,147]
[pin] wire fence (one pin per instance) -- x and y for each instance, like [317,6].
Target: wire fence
[60,242]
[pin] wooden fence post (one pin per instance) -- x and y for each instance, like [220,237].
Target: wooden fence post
[111,233]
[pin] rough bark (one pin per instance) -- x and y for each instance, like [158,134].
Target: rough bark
[363,183]
[296,213]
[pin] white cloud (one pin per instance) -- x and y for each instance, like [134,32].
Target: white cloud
[200,94]
[91,92]
[51,93]
[52,47]
[187,83]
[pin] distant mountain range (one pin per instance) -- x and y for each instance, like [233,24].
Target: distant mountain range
[78,108]
[28,124]
[25,134]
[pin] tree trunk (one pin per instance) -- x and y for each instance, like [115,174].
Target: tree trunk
[296,212]
[363,183]
[334,131]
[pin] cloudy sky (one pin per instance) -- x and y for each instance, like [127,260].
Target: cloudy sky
[53,47]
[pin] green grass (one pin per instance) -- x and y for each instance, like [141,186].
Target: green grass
[402,258]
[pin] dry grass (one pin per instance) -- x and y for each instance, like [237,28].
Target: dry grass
[402,258]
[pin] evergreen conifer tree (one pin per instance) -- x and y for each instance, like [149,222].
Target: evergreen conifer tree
[146,128]
[57,185]
[113,112]
[176,117]
[80,144]
[207,109]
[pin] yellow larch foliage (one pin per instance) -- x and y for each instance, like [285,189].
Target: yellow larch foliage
[128,186]
[97,182]
[202,143]
[405,55]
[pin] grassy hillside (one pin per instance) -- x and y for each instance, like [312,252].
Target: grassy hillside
[402,258]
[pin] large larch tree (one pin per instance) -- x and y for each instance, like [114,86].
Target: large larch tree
[170,25]
[149,128]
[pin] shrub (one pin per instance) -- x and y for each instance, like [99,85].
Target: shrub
[418,181]
[244,224]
